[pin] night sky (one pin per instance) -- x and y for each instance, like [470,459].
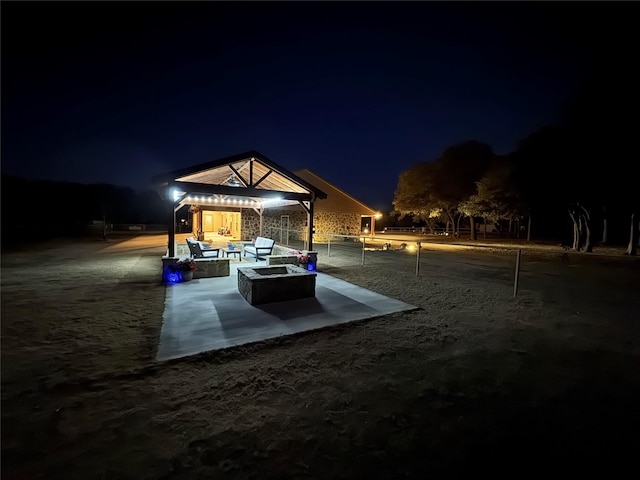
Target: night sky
[118,92]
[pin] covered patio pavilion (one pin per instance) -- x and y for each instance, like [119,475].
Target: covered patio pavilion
[244,181]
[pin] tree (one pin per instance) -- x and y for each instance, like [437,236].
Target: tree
[430,191]
[415,195]
[634,236]
[603,123]
[497,197]
[543,168]
[457,170]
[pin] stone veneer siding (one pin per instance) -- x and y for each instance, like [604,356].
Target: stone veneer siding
[336,223]
[323,222]
[249,224]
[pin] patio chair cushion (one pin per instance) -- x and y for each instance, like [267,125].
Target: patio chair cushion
[263,246]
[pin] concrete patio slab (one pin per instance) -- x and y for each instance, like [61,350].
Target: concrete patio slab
[210,313]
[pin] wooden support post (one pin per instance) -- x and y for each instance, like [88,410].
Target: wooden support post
[517,275]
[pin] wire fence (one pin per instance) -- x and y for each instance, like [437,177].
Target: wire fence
[430,256]
[409,249]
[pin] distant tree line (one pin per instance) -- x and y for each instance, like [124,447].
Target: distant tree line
[576,182]
[46,209]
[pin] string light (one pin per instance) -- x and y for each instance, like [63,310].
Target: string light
[241,201]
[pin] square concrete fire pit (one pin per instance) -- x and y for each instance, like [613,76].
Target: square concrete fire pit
[280,283]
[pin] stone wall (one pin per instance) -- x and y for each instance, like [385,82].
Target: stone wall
[337,223]
[250,224]
[212,267]
[324,222]
[282,283]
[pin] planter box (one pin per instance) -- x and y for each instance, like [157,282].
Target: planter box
[282,259]
[212,267]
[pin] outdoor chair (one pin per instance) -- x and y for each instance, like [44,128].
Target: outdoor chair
[197,251]
[262,247]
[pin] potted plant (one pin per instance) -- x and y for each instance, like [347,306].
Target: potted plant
[186,267]
[303,258]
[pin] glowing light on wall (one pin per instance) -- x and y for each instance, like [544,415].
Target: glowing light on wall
[176,194]
[271,200]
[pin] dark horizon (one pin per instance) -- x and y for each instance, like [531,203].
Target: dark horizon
[355,91]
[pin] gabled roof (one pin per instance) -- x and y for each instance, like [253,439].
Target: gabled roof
[337,200]
[248,174]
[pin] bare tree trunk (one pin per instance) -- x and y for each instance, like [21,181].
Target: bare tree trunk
[586,235]
[452,217]
[576,232]
[586,220]
[529,230]
[632,248]
[453,223]
[104,226]
[474,235]
[484,225]
[580,232]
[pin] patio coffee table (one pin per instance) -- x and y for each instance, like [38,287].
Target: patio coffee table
[228,252]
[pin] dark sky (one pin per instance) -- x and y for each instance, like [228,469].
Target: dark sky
[117,92]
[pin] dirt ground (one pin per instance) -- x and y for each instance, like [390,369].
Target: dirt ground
[474,382]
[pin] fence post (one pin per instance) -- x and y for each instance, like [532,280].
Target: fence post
[364,242]
[418,259]
[515,282]
[328,246]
